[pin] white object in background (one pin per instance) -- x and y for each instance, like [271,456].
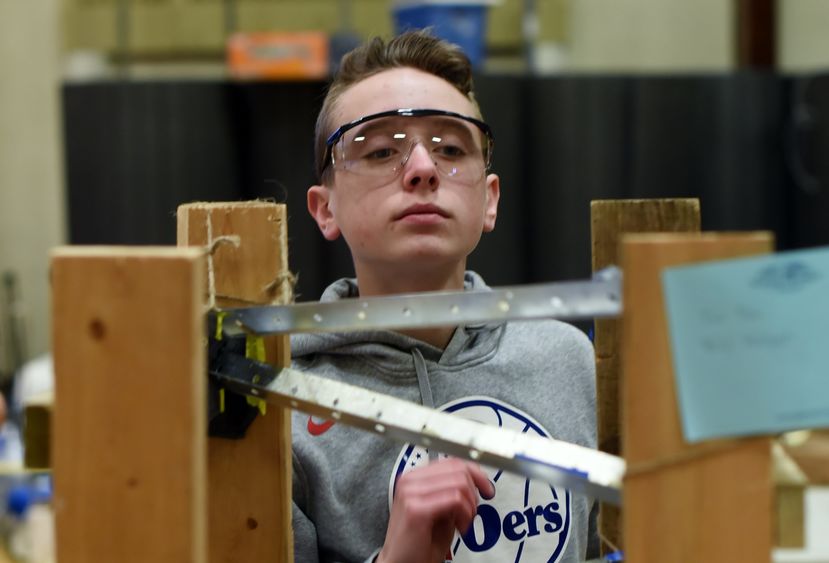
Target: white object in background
[550,58]
[33,540]
[41,530]
[85,65]
[34,378]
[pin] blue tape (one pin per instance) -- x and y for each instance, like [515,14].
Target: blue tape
[569,470]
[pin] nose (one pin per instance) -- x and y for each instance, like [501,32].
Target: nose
[419,170]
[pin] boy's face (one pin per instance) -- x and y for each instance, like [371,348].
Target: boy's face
[420,216]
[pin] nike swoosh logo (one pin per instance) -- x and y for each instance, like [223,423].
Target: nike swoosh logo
[318,429]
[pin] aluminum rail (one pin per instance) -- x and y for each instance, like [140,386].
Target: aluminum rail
[579,469]
[573,300]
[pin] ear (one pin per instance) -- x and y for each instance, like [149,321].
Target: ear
[320,208]
[493,193]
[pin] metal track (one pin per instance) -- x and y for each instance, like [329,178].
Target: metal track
[575,300]
[579,469]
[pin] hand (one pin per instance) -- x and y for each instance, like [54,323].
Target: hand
[430,503]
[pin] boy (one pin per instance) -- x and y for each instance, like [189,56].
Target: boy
[403,158]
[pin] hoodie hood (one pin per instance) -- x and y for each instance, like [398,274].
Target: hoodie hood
[392,350]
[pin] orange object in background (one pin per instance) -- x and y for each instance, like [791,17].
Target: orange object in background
[278,55]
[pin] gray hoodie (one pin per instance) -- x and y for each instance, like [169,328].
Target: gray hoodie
[532,376]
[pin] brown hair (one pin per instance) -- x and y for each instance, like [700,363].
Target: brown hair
[417,49]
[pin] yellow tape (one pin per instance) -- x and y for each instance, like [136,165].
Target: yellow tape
[258,403]
[220,319]
[255,350]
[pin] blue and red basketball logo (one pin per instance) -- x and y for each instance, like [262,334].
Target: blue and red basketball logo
[526,520]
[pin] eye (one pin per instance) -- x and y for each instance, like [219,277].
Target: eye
[380,154]
[450,151]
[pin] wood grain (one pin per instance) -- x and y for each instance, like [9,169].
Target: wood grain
[249,480]
[711,501]
[129,415]
[609,221]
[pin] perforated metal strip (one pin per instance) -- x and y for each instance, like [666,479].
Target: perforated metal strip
[575,300]
[579,469]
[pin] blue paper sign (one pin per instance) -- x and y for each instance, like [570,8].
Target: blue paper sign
[750,341]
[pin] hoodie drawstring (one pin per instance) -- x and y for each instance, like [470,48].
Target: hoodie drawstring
[425,389]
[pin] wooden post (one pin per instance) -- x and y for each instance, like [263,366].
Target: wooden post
[249,480]
[711,501]
[609,220]
[129,427]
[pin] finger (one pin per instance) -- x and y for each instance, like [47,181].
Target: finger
[454,507]
[438,476]
[455,489]
[481,481]
[477,477]
[451,506]
[446,488]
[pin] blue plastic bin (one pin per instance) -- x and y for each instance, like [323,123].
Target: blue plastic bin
[462,23]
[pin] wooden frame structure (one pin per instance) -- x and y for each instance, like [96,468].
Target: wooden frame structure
[610,220]
[712,501]
[129,420]
[136,478]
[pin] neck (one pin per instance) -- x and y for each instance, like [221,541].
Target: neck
[438,337]
[374,283]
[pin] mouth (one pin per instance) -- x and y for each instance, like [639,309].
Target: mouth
[422,209]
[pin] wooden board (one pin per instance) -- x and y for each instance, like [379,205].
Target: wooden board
[609,220]
[717,508]
[129,416]
[249,480]
[711,501]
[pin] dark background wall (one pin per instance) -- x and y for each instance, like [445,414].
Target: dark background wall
[754,147]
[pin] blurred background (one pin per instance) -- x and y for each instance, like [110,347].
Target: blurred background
[113,112]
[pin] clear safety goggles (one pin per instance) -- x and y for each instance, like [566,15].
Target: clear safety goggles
[380,144]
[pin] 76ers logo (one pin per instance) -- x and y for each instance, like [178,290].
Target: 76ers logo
[526,520]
